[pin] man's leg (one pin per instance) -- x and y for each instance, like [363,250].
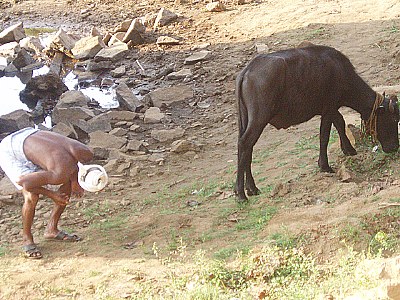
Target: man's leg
[28,213]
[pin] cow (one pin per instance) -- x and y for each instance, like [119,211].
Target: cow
[290,87]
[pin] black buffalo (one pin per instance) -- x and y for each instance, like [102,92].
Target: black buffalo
[290,87]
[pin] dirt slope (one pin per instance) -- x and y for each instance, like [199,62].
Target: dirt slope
[137,218]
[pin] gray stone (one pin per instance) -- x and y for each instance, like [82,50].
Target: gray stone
[261,48]
[113,53]
[133,37]
[94,124]
[116,38]
[116,115]
[196,57]
[181,74]
[164,135]
[105,140]
[119,131]
[65,130]
[168,95]
[118,72]
[123,26]
[134,145]
[94,66]
[15,120]
[153,115]
[7,187]
[126,99]
[164,17]
[87,47]
[22,59]
[71,115]
[14,33]
[73,98]
[167,40]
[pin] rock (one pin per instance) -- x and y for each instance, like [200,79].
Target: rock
[126,99]
[65,130]
[196,57]
[47,87]
[22,59]
[134,145]
[153,115]
[14,33]
[215,6]
[182,146]
[94,124]
[123,26]
[113,53]
[15,120]
[87,47]
[95,31]
[280,190]
[71,115]
[62,42]
[164,135]
[116,38]
[105,140]
[119,131]
[7,188]
[115,115]
[133,37]
[168,95]
[10,49]
[344,174]
[118,72]
[164,17]
[31,44]
[181,74]
[93,66]
[261,48]
[73,98]
[149,19]
[166,40]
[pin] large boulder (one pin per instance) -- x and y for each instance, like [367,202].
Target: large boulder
[15,120]
[87,47]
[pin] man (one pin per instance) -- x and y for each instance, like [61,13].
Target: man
[32,159]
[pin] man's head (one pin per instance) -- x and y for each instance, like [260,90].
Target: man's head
[92,178]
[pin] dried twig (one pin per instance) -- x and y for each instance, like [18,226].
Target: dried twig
[386,205]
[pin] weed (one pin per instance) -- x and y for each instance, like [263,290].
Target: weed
[257,219]
[383,242]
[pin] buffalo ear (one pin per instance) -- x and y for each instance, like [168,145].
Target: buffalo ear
[384,94]
[391,106]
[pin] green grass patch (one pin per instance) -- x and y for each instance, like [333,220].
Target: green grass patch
[256,219]
[3,250]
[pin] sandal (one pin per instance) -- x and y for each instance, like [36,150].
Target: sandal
[31,251]
[62,236]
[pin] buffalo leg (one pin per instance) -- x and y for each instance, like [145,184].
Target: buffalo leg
[245,152]
[345,144]
[324,133]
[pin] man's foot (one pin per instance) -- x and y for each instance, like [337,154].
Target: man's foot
[31,251]
[63,237]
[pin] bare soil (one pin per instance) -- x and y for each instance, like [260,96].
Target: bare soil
[136,218]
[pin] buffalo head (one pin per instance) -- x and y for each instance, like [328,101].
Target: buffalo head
[387,124]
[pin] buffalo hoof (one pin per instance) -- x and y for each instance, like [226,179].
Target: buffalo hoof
[327,169]
[253,191]
[241,197]
[349,152]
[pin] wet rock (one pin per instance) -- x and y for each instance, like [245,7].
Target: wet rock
[87,47]
[165,135]
[164,17]
[215,6]
[73,98]
[14,33]
[112,53]
[126,99]
[181,74]
[15,120]
[167,40]
[168,95]
[62,42]
[47,87]
[153,115]
[197,57]
[101,139]
[182,146]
